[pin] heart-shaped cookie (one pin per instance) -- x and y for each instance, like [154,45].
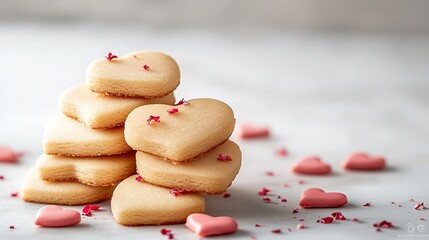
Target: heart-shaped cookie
[317,198]
[205,174]
[34,189]
[7,155]
[205,225]
[194,129]
[101,111]
[137,203]
[93,171]
[68,137]
[248,130]
[55,216]
[141,74]
[363,161]
[311,165]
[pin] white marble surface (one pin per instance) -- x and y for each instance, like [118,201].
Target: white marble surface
[325,94]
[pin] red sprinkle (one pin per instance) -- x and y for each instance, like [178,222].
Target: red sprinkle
[94,207]
[146,67]
[411,200]
[301,182]
[1,177]
[264,191]
[110,56]
[177,192]
[301,220]
[296,210]
[326,220]
[270,173]
[173,110]
[14,194]
[276,231]
[282,152]
[284,200]
[355,220]
[300,226]
[226,195]
[223,157]
[421,219]
[419,205]
[266,199]
[289,229]
[399,205]
[153,118]
[11,227]
[258,225]
[170,236]
[86,211]
[367,204]
[338,216]
[139,178]
[165,231]
[383,224]
[285,185]
[183,102]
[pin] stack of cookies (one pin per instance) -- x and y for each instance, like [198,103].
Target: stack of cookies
[183,152]
[85,152]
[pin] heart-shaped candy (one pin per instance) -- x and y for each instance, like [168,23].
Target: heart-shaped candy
[194,129]
[205,225]
[141,74]
[317,198]
[311,165]
[248,130]
[7,155]
[93,171]
[55,216]
[363,161]
[101,111]
[136,202]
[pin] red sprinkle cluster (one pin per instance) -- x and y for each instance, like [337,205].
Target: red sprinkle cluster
[326,220]
[173,110]
[182,102]
[110,56]
[87,210]
[382,224]
[264,191]
[167,232]
[223,157]
[153,118]
[338,216]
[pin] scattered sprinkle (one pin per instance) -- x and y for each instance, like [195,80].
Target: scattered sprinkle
[419,205]
[421,219]
[266,199]
[110,56]
[392,202]
[86,211]
[223,157]
[264,191]
[226,195]
[146,67]
[300,226]
[326,220]
[11,227]
[282,152]
[289,229]
[177,192]
[258,225]
[338,216]
[153,118]
[276,231]
[284,200]
[296,210]
[301,182]
[14,194]
[170,236]
[139,178]
[367,204]
[355,220]
[165,231]
[301,220]
[1,177]
[183,102]
[285,185]
[270,173]
[173,110]
[411,200]
[399,205]
[383,224]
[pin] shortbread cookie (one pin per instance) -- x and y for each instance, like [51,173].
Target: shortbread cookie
[93,171]
[141,74]
[68,137]
[101,111]
[206,174]
[139,203]
[182,132]
[63,193]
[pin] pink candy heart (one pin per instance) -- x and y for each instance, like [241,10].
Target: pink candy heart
[362,161]
[247,130]
[55,216]
[7,155]
[311,165]
[205,225]
[316,198]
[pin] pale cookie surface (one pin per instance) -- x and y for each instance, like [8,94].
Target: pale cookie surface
[101,111]
[205,174]
[34,189]
[139,203]
[127,76]
[68,137]
[93,171]
[195,129]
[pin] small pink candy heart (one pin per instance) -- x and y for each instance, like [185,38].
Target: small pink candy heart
[362,161]
[317,198]
[247,130]
[205,225]
[311,165]
[7,155]
[55,216]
